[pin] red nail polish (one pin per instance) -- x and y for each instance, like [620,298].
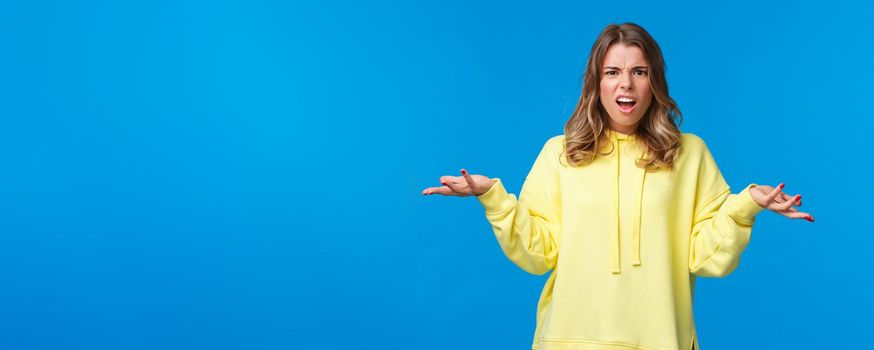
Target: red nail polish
[781,185]
[463,172]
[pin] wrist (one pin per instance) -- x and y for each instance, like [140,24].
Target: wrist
[490,184]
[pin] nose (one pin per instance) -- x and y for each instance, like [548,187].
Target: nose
[625,82]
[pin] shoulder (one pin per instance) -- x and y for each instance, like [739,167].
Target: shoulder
[555,141]
[693,144]
[695,151]
[554,145]
[552,148]
[690,140]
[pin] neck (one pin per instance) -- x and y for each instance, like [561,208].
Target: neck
[627,130]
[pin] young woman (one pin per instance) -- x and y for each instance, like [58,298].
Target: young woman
[634,208]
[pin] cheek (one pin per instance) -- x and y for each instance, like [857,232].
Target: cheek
[606,90]
[646,90]
[649,97]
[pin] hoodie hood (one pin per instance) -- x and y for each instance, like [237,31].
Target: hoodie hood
[623,145]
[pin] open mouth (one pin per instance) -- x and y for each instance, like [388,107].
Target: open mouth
[626,104]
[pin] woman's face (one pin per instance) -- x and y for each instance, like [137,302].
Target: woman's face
[625,90]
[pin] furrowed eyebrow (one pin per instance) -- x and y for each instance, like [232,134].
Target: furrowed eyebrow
[635,67]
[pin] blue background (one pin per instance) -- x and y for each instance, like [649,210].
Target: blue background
[248,174]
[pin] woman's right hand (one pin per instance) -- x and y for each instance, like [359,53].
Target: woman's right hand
[465,185]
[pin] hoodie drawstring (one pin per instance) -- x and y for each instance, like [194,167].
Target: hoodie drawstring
[640,175]
[637,219]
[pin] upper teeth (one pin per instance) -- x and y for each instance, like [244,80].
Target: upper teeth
[625,99]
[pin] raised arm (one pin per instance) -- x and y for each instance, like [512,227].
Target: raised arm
[526,229]
[723,221]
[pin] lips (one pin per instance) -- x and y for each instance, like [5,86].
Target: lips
[626,103]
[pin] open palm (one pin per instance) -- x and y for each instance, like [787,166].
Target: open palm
[465,185]
[774,199]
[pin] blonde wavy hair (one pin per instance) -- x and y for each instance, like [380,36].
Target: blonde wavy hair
[657,132]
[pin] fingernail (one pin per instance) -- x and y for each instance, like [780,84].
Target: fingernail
[781,185]
[443,183]
[463,172]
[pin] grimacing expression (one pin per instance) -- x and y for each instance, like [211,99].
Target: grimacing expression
[625,90]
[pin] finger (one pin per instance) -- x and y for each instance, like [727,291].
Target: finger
[787,210]
[798,215]
[795,215]
[455,186]
[796,200]
[451,179]
[805,216]
[467,178]
[435,190]
[776,191]
[782,197]
[771,197]
[446,191]
[786,205]
[785,197]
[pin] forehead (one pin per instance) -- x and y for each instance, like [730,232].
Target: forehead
[619,55]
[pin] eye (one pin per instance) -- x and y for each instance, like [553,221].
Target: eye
[611,72]
[641,71]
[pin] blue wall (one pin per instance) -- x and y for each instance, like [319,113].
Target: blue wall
[247,174]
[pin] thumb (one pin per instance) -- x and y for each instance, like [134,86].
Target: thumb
[471,183]
[774,193]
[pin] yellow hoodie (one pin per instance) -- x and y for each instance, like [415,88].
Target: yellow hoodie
[624,245]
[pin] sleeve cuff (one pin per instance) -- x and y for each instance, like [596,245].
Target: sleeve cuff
[496,199]
[745,208]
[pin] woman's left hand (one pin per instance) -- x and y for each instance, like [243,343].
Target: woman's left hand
[774,199]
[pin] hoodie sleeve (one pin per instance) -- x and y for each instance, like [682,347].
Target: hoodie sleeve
[722,222]
[527,229]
